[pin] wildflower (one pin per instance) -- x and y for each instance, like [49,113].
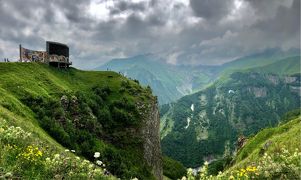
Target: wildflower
[99,162]
[206,163]
[96,154]
[66,150]
[231,177]
[56,156]
[73,151]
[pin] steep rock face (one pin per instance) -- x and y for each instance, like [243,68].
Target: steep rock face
[150,133]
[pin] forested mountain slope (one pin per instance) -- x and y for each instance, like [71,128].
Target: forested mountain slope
[201,126]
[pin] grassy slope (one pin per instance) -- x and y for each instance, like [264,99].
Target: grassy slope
[39,79]
[287,135]
[19,79]
[287,66]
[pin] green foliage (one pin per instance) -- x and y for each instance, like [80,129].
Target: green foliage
[25,156]
[84,111]
[172,168]
[287,66]
[291,115]
[221,115]
[219,165]
[280,160]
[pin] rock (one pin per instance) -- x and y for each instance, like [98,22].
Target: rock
[65,102]
[258,91]
[150,134]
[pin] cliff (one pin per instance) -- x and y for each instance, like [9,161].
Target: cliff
[151,137]
[87,112]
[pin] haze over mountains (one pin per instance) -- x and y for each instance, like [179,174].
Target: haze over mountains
[170,82]
[236,98]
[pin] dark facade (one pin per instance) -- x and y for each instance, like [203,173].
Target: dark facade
[55,48]
[58,54]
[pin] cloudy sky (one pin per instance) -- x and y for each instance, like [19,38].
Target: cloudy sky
[181,31]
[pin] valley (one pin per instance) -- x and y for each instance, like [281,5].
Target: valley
[106,117]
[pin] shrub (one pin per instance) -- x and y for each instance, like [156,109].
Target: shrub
[172,168]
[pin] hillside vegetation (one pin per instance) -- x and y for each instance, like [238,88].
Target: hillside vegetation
[287,66]
[273,153]
[86,112]
[205,125]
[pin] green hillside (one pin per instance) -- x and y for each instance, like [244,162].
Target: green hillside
[273,153]
[287,66]
[84,111]
[202,126]
[264,58]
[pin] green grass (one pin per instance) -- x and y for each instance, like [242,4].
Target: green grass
[24,84]
[287,66]
[287,135]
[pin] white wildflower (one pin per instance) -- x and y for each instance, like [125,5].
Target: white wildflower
[99,162]
[96,154]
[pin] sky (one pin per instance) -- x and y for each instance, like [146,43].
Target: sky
[193,32]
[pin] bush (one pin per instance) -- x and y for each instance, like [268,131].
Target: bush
[173,169]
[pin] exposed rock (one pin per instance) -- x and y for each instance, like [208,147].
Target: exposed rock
[65,102]
[241,142]
[201,133]
[289,79]
[258,91]
[274,79]
[150,133]
[203,100]
[296,89]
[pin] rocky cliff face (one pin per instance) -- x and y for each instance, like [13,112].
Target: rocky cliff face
[150,133]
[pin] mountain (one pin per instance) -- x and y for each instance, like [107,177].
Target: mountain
[203,125]
[169,82]
[101,117]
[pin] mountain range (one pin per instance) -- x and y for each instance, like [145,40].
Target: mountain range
[170,82]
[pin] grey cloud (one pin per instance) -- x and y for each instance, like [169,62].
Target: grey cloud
[285,22]
[211,9]
[122,6]
[199,33]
